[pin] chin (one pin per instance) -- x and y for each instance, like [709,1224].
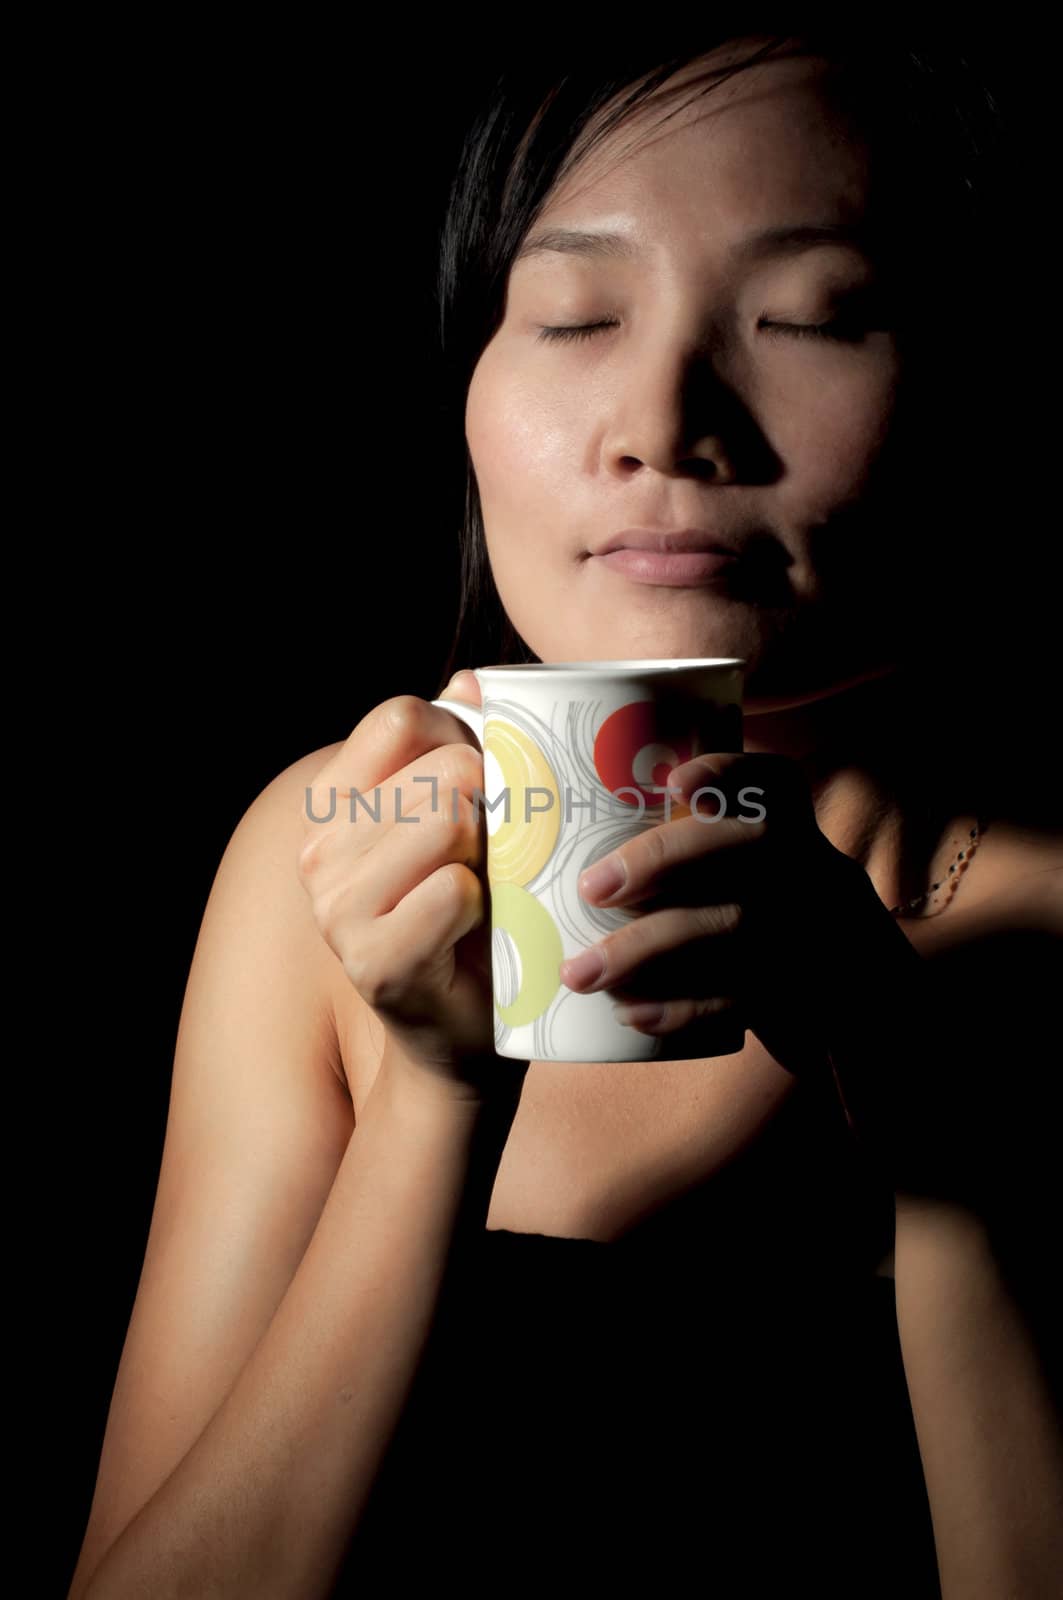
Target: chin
[645,638]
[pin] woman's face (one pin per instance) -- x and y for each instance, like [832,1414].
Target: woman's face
[697,405]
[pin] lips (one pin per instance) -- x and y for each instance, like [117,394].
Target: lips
[672,541]
[674,568]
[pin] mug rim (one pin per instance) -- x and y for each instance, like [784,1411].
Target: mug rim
[629,666]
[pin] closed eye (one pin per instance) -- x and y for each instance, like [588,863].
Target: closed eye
[577,331]
[842,329]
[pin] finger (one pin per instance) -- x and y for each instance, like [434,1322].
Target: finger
[341,872]
[434,783]
[463,686]
[701,967]
[679,950]
[706,930]
[389,738]
[768,787]
[703,1024]
[383,955]
[686,861]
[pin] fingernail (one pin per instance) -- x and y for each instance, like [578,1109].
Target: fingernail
[584,968]
[642,1015]
[603,879]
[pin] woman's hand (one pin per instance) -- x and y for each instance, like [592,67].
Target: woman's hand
[398,887]
[737,897]
[938,1061]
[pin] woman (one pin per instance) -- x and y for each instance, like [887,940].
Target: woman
[596,1319]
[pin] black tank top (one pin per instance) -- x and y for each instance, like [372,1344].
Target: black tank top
[714,1403]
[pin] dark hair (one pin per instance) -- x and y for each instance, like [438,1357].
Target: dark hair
[929,106]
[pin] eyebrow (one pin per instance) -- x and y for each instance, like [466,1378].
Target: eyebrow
[786,240]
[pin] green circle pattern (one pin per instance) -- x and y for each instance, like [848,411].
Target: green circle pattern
[538,941]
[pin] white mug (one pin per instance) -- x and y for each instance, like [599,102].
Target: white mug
[576,756]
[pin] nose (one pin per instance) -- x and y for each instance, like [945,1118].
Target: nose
[674,412]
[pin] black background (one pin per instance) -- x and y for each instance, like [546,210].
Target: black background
[247,537]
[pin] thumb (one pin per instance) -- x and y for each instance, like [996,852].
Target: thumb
[463,686]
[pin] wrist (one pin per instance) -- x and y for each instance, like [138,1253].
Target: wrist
[423,1095]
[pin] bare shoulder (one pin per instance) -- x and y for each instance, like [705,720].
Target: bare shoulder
[358,1035]
[996,948]
[1015,881]
[1023,878]
[285,796]
[1024,847]
[282,810]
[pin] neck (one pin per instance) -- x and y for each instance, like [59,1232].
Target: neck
[876,776]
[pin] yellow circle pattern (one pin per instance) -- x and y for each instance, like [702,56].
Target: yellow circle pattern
[518,849]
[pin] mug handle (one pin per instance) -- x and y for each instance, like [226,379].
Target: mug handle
[472,716]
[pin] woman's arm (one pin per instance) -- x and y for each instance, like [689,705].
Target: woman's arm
[984,1413]
[267,1500]
[293,1267]
[950,1091]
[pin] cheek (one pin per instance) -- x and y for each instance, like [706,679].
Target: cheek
[518,439]
[832,441]
[509,450]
